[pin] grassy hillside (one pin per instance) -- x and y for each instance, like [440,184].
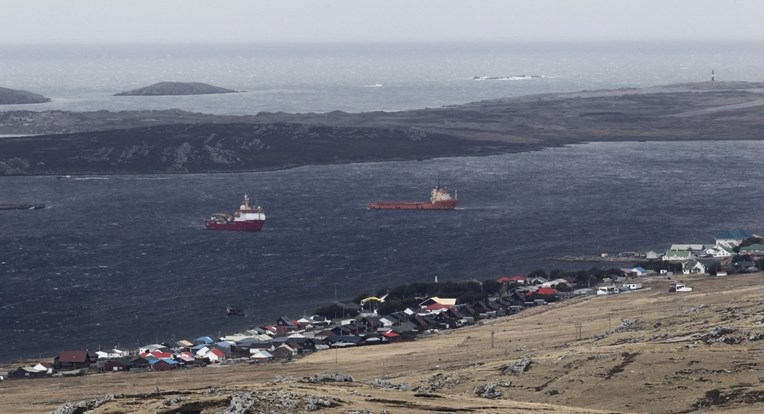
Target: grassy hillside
[649,351]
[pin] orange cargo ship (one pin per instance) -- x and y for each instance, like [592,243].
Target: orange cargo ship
[440,199]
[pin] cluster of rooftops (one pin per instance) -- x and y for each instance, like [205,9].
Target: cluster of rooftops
[289,338]
[284,340]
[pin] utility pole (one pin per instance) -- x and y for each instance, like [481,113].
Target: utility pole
[492,339]
[609,320]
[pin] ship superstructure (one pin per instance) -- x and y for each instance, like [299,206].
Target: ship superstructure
[246,218]
[440,199]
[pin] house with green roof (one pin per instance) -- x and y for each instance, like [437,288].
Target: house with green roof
[753,249]
[677,255]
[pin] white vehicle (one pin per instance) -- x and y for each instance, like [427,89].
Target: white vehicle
[679,287]
[607,290]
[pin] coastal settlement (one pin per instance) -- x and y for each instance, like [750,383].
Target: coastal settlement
[395,317]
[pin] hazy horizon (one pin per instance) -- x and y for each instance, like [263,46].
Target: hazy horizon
[360,21]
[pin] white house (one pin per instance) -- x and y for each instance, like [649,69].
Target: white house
[638,271]
[691,247]
[732,238]
[440,301]
[202,351]
[43,368]
[111,354]
[677,255]
[693,267]
[717,251]
[632,286]
[260,355]
[553,283]
[537,280]
[388,320]
[289,349]
[147,349]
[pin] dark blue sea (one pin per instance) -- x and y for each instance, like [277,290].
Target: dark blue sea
[125,260]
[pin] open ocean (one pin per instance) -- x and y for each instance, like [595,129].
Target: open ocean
[125,260]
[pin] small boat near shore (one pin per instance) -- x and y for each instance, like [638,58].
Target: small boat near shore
[440,199]
[13,206]
[234,311]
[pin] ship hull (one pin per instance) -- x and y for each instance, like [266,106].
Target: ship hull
[254,225]
[438,205]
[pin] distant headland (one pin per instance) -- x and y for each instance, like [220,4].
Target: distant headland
[176,88]
[174,141]
[17,96]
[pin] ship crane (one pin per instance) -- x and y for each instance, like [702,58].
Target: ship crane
[373,299]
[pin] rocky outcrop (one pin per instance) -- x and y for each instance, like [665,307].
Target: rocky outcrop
[85,406]
[16,96]
[176,88]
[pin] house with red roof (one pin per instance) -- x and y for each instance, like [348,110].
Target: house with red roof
[512,279]
[215,355]
[546,293]
[164,364]
[74,360]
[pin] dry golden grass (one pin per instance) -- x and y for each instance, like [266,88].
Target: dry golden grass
[659,364]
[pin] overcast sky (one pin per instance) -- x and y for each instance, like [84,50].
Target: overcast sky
[215,21]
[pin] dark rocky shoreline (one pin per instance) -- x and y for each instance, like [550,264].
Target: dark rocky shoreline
[173,141]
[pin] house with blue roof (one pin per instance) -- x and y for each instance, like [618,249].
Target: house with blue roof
[203,340]
[163,364]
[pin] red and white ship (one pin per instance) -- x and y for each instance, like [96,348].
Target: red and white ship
[440,199]
[244,219]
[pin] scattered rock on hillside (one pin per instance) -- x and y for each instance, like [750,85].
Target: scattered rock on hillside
[519,367]
[83,406]
[489,390]
[337,377]
[16,96]
[240,403]
[176,88]
[383,383]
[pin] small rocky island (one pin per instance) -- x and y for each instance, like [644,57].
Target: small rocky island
[176,88]
[16,96]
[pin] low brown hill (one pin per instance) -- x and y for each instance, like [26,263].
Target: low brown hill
[649,351]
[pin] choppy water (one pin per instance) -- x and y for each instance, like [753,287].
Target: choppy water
[126,260]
